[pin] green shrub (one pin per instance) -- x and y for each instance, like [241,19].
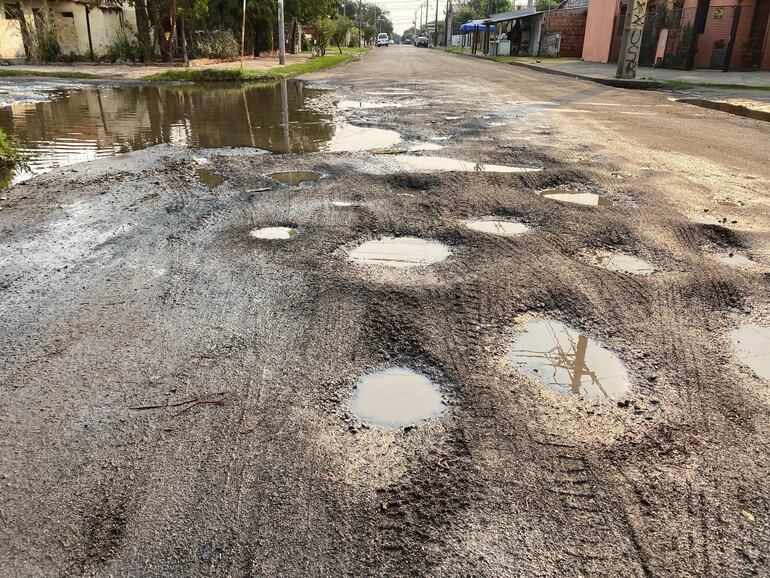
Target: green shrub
[10,155]
[219,44]
[124,46]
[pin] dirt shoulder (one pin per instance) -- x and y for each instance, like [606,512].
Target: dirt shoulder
[176,392]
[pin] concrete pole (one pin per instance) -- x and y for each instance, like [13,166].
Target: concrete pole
[435,32]
[281,35]
[243,32]
[632,39]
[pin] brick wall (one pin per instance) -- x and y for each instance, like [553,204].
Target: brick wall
[572,26]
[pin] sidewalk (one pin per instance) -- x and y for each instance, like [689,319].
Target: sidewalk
[598,71]
[138,71]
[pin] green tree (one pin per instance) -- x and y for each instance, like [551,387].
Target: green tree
[341,29]
[325,29]
[542,5]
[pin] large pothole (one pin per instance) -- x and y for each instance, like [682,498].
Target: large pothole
[400,252]
[568,362]
[752,347]
[395,397]
[496,226]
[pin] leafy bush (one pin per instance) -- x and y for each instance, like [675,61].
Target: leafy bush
[305,43]
[124,46]
[341,28]
[10,155]
[325,29]
[219,44]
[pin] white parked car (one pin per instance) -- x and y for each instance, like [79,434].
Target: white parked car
[382,39]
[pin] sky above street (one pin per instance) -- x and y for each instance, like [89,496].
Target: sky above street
[402,11]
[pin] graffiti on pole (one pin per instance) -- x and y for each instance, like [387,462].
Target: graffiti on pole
[632,40]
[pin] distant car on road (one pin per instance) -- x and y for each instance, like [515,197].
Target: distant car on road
[382,39]
[407,41]
[422,41]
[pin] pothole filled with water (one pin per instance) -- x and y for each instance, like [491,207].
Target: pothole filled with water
[344,203]
[294,178]
[568,362]
[752,347]
[209,178]
[396,397]
[734,260]
[400,252]
[496,226]
[443,164]
[624,263]
[274,233]
[576,197]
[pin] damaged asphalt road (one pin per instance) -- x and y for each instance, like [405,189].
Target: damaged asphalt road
[177,391]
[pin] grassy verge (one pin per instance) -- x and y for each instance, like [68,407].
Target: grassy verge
[682,84]
[46,73]
[238,75]
[509,59]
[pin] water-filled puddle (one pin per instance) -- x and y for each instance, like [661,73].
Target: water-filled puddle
[623,263]
[752,346]
[568,362]
[443,164]
[577,197]
[294,178]
[395,397]
[344,203]
[274,233]
[496,226]
[706,219]
[400,252]
[368,104]
[84,125]
[734,260]
[209,178]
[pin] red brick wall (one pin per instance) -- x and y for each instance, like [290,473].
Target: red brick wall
[572,25]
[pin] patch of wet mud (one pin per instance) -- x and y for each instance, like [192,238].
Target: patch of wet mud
[395,398]
[294,178]
[496,226]
[576,197]
[623,263]
[568,362]
[273,233]
[752,347]
[209,178]
[399,252]
[734,260]
[352,138]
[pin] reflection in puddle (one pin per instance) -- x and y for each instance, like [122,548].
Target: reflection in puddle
[344,203]
[274,233]
[568,362]
[443,164]
[294,178]
[752,346]
[350,138]
[576,197]
[734,260]
[495,226]
[211,179]
[623,263]
[395,397]
[401,252]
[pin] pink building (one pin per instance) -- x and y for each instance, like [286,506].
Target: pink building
[686,34]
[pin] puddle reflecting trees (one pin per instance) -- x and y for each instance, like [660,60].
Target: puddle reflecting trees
[568,362]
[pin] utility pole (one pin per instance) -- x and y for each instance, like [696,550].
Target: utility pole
[435,24]
[358,17]
[243,31]
[281,35]
[427,12]
[632,39]
[421,16]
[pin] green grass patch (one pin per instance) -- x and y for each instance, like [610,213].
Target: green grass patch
[45,73]
[683,84]
[238,75]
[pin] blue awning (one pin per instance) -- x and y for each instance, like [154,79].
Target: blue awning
[475,25]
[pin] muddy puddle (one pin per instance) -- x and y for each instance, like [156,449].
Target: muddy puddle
[576,197]
[752,347]
[707,219]
[399,252]
[209,178]
[730,108]
[443,164]
[624,263]
[496,226]
[274,233]
[734,260]
[396,397]
[294,178]
[568,362]
[84,125]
